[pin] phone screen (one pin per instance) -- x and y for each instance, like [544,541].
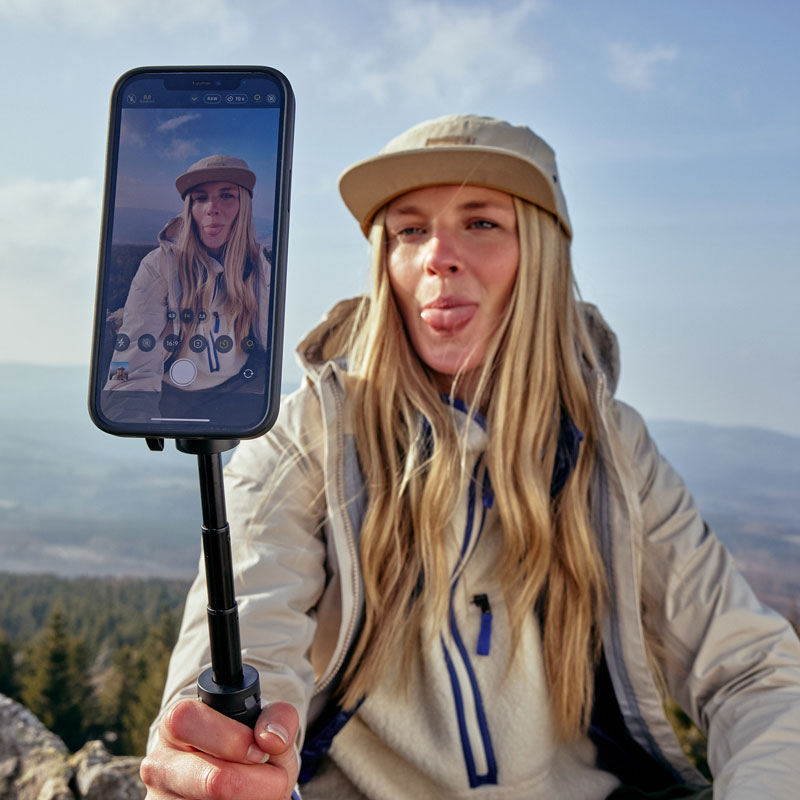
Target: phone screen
[189,311]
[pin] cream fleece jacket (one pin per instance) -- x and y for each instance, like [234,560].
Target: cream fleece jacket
[466,720]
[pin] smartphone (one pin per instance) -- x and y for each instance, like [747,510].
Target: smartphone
[188,327]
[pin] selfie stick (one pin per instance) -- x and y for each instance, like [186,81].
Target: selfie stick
[229,686]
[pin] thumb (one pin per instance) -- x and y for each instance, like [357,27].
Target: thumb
[276,730]
[275,733]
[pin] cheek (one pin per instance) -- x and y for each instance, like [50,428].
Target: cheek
[401,277]
[402,284]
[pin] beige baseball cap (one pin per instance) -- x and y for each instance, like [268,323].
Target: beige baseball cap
[456,149]
[216,168]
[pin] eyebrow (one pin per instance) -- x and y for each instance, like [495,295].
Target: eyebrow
[470,205]
[224,188]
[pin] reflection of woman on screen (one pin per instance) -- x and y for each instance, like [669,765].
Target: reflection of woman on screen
[192,318]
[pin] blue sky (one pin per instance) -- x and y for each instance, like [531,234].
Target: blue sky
[676,127]
[161,144]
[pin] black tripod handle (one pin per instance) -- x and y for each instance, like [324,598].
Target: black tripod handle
[230,687]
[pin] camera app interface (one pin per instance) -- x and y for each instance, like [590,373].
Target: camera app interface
[189,268]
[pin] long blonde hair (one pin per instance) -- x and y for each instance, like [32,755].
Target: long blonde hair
[197,278]
[534,369]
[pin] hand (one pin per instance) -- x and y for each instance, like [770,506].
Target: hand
[203,755]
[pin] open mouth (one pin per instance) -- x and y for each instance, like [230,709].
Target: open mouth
[450,318]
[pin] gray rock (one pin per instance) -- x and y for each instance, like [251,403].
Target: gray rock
[101,776]
[36,765]
[34,760]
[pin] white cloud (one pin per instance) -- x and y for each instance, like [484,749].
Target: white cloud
[176,122]
[129,135]
[182,149]
[635,68]
[97,17]
[50,242]
[59,216]
[430,50]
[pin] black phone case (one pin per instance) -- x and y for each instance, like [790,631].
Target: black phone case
[278,269]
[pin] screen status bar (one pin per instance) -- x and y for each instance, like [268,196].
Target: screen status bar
[254,93]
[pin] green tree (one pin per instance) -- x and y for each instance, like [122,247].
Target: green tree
[8,680]
[152,674]
[55,684]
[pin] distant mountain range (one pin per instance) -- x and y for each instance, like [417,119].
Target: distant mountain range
[141,226]
[76,501]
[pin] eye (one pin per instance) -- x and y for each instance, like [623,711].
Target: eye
[483,224]
[199,198]
[228,195]
[407,232]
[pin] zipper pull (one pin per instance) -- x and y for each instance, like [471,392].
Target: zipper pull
[485,635]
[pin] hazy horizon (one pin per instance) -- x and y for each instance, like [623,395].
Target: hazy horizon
[676,129]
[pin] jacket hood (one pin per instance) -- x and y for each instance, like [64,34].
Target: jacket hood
[327,341]
[168,235]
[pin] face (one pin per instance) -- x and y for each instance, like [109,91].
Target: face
[215,206]
[453,255]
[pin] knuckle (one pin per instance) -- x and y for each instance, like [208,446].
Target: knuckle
[147,771]
[220,783]
[178,717]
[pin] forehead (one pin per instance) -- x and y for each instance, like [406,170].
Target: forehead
[458,196]
[214,186]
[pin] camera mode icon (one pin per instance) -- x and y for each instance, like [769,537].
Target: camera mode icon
[146,342]
[224,344]
[172,342]
[197,344]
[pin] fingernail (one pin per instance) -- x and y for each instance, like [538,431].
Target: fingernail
[257,755]
[279,731]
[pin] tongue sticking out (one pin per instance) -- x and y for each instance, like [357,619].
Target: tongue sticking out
[446,319]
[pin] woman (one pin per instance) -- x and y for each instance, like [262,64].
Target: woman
[191,320]
[457,554]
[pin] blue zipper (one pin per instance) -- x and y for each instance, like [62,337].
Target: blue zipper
[490,775]
[213,366]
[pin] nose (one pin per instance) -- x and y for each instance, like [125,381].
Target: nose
[441,254]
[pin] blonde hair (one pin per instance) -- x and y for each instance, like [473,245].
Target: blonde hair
[533,371]
[197,277]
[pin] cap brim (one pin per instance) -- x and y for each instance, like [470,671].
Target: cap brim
[370,184]
[241,177]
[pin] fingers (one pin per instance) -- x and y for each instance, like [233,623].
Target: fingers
[275,734]
[170,774]
[192,725]
[202,754]
[276,728]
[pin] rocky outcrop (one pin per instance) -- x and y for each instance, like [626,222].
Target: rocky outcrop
[36,765]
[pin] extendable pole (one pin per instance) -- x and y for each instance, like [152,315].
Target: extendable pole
[229,686]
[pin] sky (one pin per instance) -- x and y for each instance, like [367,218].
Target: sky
[158,145]
[676,128]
